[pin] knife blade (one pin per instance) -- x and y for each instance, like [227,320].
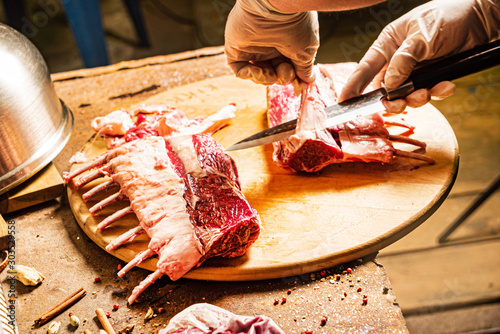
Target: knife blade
[424,76]
[336,114]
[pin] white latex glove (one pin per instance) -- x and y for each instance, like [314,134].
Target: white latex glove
[433,30]
[268,46]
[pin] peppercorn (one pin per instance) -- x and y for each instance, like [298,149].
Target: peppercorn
[97,279]
[116,307]
[349,270]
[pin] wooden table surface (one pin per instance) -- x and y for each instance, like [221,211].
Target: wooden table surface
[49,238]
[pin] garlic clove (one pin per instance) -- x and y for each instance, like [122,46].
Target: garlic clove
[73,320]
[53,327]
[26,275]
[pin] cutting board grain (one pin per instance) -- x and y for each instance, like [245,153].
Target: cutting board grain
[310,221]
[45,185]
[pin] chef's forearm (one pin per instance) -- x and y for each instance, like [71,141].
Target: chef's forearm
[291,6]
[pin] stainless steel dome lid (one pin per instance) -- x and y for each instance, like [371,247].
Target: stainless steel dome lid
[34,124]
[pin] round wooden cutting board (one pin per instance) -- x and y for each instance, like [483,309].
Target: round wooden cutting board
[309,221]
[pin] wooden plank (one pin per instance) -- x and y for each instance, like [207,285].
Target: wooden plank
[483,223]
[309,222]
[444,277]
[46,185]
[134,64]
[475,319]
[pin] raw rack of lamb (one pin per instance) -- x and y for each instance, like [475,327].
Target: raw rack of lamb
[364,139]
[182,186]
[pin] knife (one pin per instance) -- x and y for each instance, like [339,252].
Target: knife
[424,76]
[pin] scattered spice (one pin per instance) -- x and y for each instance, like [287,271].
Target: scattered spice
[103,319]
[365,299]
[308,331]
[322,272]
[276,301]
[289,291]
[97,279]
[324,319]
[119,266]
[283,300]
[349,270]
[345,294]
[149,314]
[360,289]
[161,310]
[62,306]
[73,320]
[116,307]
[126,330]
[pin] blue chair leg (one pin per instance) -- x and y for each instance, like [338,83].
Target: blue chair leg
[136,15]
[84,17]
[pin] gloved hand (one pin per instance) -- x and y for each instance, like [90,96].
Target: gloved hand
[433,30]
[268,46]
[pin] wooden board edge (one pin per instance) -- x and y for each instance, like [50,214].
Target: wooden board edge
[44,186]
[134,64]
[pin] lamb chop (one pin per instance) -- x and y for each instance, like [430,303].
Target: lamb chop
[310,150]
[185,192]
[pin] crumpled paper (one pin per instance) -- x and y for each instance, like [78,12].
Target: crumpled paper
[205,318]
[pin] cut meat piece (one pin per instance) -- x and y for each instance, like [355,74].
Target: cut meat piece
[206,318]
[115,123]
[186,195]
[309,149]
[119,127]
[363,139]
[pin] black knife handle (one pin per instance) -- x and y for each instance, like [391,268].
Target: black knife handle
[450,68]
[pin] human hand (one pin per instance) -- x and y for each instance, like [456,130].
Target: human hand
[433,30]
[268,46]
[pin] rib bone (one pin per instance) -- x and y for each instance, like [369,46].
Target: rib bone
[413,155]
[99,189]
[114,217]
[144,284]
[106,202]
[136,261]
[125,237]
